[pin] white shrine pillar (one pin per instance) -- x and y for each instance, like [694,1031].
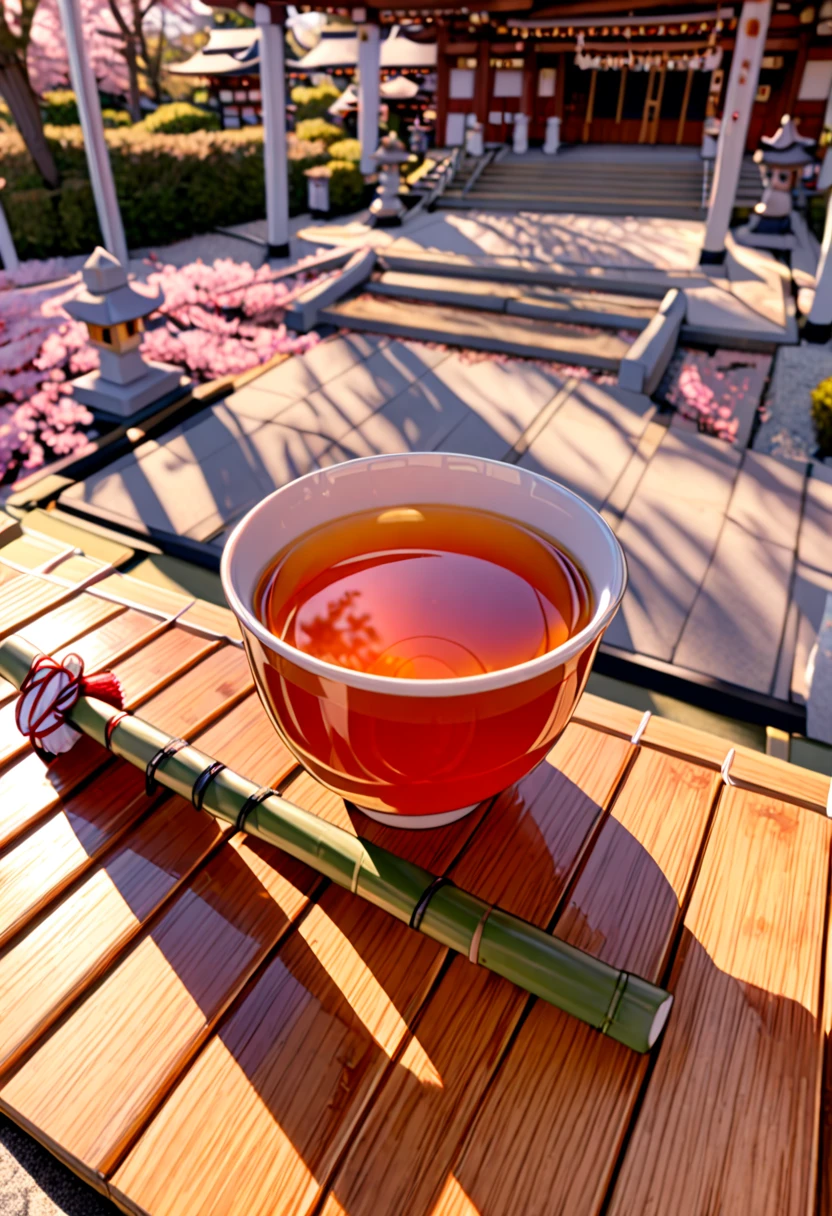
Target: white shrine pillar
[736,115]
[270,24]
[95,147]
[369,87]
[818,327]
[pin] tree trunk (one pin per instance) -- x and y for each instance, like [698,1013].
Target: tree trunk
[21,100]
[133,77]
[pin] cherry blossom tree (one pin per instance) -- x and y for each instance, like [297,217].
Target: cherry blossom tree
[33,56]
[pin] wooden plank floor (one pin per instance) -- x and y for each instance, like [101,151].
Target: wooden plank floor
[198,1025]
[727,549]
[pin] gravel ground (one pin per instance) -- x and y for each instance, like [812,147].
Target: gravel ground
[788,432]
[57,1191]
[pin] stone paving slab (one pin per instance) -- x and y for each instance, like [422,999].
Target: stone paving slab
[809,591]
[417,420]
[297,377]
[710,535]
[736,624]
[669,533]
[814,546]
[588,443]
[767,498]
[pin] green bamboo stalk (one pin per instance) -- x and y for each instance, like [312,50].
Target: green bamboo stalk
[619,1004]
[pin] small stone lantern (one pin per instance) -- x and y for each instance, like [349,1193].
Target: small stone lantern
[783,156]
[114,313]
[387,208]
[520,134]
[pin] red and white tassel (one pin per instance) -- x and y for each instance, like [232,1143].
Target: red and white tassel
[49,692]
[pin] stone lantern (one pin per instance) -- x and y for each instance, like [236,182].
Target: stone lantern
[387,208]
[783,156]
[114,314]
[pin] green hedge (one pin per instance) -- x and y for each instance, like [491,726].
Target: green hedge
[180,118]
[116,118]
[319,128]
[346,149]
[59,108]
[313,101]
[169,186]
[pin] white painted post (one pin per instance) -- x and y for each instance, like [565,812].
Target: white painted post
[275,159]
[369,92]
[818,327]
[739,102]
[95,147]
[8,253]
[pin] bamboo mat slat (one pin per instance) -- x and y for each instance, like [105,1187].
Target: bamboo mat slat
[47,859]
[555,818]
[29,789]
[202,1027]
[141,674]
[86,931]
[730,1118]
[63,625]
[562,1089]
[39,867]
[132,1035]
[64,952]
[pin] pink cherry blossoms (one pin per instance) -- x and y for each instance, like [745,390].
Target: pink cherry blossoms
[716,391]
[223,319]
[217,320]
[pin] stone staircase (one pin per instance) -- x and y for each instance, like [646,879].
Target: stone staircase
[632,185]
[568,317]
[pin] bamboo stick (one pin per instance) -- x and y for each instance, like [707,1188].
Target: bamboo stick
[619,1004]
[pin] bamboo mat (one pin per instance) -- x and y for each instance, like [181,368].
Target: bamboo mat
[197,1024]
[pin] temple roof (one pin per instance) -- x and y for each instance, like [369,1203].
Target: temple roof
[228,52]
[339,49]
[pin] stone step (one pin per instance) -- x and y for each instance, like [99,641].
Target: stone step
[590,206]
[646,282]
[478,329]
[604,309]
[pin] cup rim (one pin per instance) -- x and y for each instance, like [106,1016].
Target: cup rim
[457,686]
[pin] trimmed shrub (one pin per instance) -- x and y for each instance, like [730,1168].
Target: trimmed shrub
[313,101]
[319,128]
[59,108]
[822,415]
[169,186]
[180,118]
[116,118]
[346,149]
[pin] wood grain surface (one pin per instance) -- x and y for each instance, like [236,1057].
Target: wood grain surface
[316,1031]
[94,1078]
[67,948]
[522,858]
[64,625]
[730,1119]
[30,789]
[79,827]
[141,673]
[550,1096]
[198,1024]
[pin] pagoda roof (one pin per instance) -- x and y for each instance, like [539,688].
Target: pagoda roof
[339,49]
[228,52]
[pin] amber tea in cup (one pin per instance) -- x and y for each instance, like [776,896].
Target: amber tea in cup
[423,592]
[420,627]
